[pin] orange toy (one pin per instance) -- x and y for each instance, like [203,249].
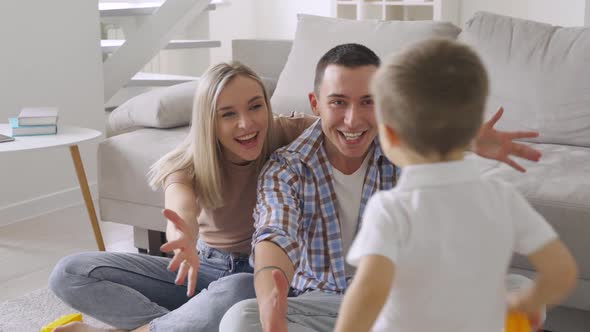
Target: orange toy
[517,322]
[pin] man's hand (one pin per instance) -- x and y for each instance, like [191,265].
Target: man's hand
[186,257]
[273,309]
[493,144]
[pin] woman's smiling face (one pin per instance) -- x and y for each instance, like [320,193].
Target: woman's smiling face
[242,120]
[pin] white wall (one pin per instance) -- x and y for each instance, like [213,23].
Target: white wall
[277,19]
[235,21]
[264,19]
[44,62]
[564,13]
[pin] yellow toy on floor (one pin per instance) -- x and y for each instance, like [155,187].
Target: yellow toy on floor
[63,320]
[517,322]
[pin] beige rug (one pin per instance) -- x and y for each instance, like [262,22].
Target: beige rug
[32,311]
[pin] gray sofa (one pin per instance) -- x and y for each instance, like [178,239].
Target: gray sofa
[539,73]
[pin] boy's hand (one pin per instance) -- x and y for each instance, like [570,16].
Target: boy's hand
[273,310]
[520,302]
[499,145]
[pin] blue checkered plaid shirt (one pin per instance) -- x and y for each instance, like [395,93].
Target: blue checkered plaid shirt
[296,209]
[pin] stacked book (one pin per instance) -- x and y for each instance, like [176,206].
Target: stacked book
[34,121]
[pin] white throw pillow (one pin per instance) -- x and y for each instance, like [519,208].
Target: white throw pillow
[540,73]
[315,35]
[160,108]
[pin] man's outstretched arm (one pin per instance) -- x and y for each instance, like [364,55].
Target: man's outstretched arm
[276,252]
[273,274]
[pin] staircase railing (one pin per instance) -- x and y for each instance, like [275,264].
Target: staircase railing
[145,42]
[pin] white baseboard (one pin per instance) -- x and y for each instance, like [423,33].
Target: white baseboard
[27,209]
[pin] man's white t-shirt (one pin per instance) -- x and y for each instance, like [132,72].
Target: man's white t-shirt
[450,235]
[349,191]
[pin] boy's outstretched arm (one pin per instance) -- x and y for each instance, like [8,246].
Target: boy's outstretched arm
[366,295]
[556,277]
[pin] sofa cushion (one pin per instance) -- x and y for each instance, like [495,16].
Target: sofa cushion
[538,72]
[123,163]
[315,35]
[558,186]
[159,108]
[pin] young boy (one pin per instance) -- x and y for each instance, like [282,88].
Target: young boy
[433,252]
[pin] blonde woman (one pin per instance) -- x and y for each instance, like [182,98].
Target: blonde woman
[209,183]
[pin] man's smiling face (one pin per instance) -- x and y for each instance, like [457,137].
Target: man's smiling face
[347,113]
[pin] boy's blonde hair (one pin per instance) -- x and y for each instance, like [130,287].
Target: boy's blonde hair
[200,153]
[432,95]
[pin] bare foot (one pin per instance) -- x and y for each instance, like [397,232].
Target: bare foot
[82,327]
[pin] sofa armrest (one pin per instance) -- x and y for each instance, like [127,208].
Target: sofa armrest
[266,57]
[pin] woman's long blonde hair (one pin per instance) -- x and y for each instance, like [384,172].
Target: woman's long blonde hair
[200,153]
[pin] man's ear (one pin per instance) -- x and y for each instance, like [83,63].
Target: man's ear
[313,102]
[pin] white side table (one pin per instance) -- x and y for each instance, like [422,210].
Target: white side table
[66,136]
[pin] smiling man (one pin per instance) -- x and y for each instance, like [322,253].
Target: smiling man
[310,196]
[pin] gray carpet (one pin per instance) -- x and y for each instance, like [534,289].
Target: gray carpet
[32,311]
[561,319]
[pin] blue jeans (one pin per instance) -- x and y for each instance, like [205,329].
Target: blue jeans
[131,290]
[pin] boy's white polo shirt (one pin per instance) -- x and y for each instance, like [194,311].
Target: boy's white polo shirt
[451,235]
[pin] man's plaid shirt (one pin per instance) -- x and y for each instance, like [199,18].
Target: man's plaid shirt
[296,209]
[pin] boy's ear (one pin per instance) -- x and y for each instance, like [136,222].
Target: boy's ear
[313,102]
[390,135]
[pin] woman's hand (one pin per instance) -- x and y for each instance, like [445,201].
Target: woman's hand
[186,257]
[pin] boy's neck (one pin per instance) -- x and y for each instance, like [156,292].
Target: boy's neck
[408,157]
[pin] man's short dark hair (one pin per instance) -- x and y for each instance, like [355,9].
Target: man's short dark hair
[346,55]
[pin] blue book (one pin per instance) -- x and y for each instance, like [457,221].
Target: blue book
[16,130]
